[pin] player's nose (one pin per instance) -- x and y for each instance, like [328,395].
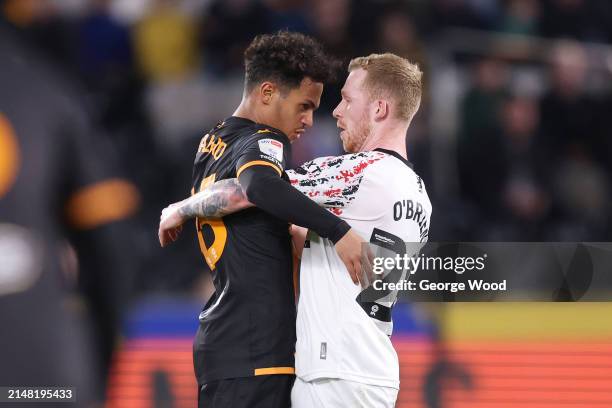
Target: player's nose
[307,120]
[336,112]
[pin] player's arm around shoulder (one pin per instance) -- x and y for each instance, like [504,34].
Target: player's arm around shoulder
[221,198]
[261,148]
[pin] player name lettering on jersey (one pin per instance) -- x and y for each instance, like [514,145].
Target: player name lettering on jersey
[213,145]
[409,210]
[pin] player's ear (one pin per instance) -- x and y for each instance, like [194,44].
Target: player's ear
[381,109]
[266,92]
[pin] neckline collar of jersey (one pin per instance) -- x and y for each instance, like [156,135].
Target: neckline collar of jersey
[239,119]
[394,154]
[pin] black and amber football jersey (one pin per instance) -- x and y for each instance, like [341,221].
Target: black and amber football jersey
[248,326]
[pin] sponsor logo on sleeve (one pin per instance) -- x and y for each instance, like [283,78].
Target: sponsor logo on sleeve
[272,148]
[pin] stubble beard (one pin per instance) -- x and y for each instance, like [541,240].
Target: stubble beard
[355,140]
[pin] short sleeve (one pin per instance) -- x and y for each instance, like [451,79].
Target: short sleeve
[264,148]
[332,181]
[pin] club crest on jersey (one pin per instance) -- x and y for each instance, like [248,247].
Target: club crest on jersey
[272,148]
[374,310]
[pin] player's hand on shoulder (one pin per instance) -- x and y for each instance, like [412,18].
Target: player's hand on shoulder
[298,237]
[170,224]
[349,248]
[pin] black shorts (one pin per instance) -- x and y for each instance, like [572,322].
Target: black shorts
[263,391]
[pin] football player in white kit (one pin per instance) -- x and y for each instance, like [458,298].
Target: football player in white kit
[344,355]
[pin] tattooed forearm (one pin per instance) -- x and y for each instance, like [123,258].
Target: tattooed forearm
[222,198]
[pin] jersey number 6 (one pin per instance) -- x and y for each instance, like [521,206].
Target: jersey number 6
[212,233]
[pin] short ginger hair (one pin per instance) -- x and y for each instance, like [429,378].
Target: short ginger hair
[394,77]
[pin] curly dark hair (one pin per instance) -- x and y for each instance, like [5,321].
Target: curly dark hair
[286,58]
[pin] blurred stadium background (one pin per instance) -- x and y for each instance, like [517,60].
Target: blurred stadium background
[513,140]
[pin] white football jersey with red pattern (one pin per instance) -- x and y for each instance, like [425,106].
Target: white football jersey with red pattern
[341,333]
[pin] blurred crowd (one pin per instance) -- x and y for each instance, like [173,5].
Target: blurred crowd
[526,151]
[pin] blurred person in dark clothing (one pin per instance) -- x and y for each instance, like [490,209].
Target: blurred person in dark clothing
[575,131]
[479,138]
[582,193]
[568,112]
[227,29]
[331,21]
[505,175]
[525,174]
[397,34]
[57,184]
[105,51]
[483,100]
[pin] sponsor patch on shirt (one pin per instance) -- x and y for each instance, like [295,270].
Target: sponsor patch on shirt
[272,148]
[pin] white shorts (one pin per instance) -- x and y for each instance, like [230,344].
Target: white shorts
[337,393]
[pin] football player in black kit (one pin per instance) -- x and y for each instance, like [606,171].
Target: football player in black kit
[244,347]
